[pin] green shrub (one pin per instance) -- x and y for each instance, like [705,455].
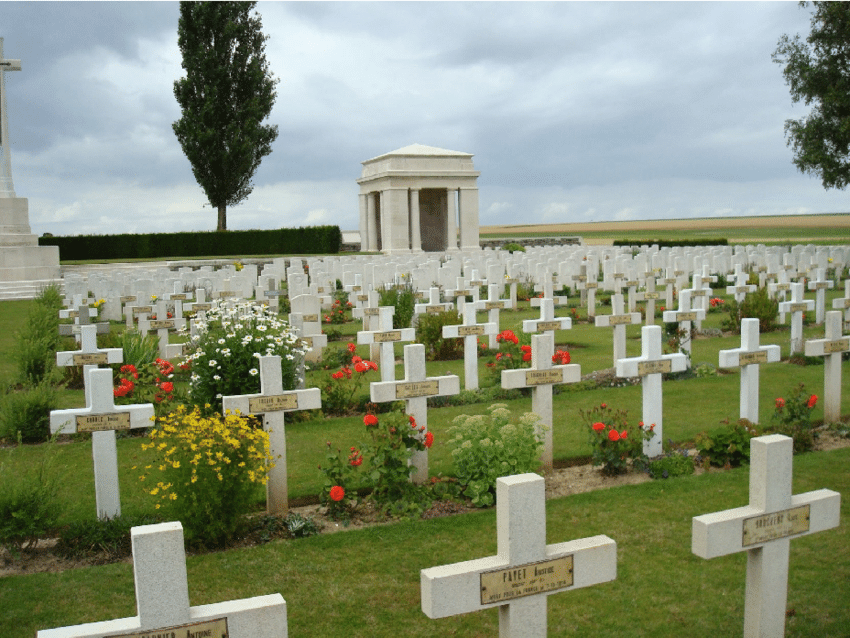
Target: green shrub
[37,342]
[93,537]
[139,349]
[29,507]
[675,463]
[613,448]
[756,305]
[403,299]
[429,332]
[513,247]
[793,417]
[489,446]
[25,414]
[728,446]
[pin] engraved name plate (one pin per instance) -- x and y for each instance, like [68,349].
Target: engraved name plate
[99,422]
[838,345]
[414,389]
[619,320]
[749,358]
[527,580]
[468,331]
[127,298]
[494,305]
[543,377]
[198,307]
[137,310]
[306,341]
[782,287]
[226,293]
[702,292]
[654,367]
[768,527]
[273,403]
[180,297]
[433,310]
[207,629]
[686,316]
[308,318]
[90,359]
[371,312]
[362,297]
[162,323]
[548,325]
[652,295]
[591,285]
[798,307]
[391,335]
[632,283]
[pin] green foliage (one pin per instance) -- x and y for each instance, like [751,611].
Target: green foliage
[429,332]
[29,507]
[793,417]
[38,340]
[671,465]
[818,74]
[139,349]
[338,495]
[614,448]
[514,352]
[98,537]
[513,247]
[756,305]
[25,414]
[268,527]
[489,446]
[402,298]
[226,94]
[343,391]
[728,446]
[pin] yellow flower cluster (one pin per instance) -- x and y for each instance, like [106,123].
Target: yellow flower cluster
[193,451]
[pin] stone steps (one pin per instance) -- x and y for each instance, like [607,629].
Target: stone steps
[10,290]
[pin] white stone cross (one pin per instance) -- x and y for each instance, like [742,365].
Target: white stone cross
[493,305]
[764,529]
[415,390]
[843,303]
[162,599]
[89,355]
[819,285]
[589,286]
[179,299]
[547,288]
[650,366]
[102,417]
[162,324]
[540,378]
[741,287]
[387,337]
[434,305]
[273,403]
[700,293]
[470,331]
[524,571]
[649,295]
[618,320]
[684,316]
[748,357]
[831,347]
[796,306]
[547,323]
[459,293]
[669,282]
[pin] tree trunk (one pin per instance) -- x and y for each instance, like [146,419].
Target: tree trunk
[222,217]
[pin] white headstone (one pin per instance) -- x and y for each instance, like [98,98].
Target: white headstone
[831,347]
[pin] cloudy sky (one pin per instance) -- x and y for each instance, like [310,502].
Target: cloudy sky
[574,111]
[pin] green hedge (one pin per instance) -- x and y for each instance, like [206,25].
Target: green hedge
[662,243]
[312,240]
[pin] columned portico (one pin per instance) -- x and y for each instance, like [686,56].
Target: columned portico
[417,199]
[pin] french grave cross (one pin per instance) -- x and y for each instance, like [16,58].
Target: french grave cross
[162,599]
[831,347]
[525,569]
[748,357]
[273,403]
[387,338]
[89,355]
[493,305]
[843,303]
[649,295]
[684,316]
[618,320]
[764,529]
[547,323]
[820,285]
[796,306]
[470,331]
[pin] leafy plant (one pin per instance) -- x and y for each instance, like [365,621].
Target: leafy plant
[139,349]
[793,417]
[512,353]
[429,332]
[338,495]
[489,446]
[25,414]
[91,537]
[513,247]
[403,299]
[675,463]
[728,446]
[614,448]
[153,383]
[756,305]
[37,342]
[342,391]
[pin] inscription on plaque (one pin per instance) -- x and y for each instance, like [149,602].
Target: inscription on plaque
[414,389]
[433,310]
[821,285]
[273,403]
[846,302]
[207,629]
[543,377]
[768,527]
[783,287]
[619,275]
[371,312]
[356,288]
[633,283]
[100,422]
[308,318]
[654,367]
[838,345]
[591,284]
[494,305]
[226,293]
[468,331]
[699,293]
[90,359]
[162,323]
[362,297]
[460,293]
[749,358]
[798,307]
[652,295]
[127,298]
[73,314]
[527,580]
[199,307]
[137,310]
[741,289]
[678,273]
[180,297]
[670,280]
[548,325]
[686,316]
[476,283]
[307,341]
[619,320]
[579,277]
[391,335]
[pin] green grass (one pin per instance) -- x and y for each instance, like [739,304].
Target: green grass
[366,583]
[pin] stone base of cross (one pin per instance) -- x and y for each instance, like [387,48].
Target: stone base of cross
[414,390]
[525,569]
[748,357]
[764,529]
[162,599]
[540,378]
[831,347]
[272,402]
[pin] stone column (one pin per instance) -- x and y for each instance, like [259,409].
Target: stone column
[364,231]
[396,219]
[415,231]
[468,201]
[371,228]
[451,208]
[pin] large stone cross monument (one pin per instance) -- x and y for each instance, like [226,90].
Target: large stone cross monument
[416,198]
[21,258]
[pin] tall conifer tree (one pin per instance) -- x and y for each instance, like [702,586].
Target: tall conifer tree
[226,94]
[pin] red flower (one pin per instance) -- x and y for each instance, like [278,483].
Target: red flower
[598,426]
[355,458]
[167,387]
[780,403]
[526,353]
[812,401]
[352,348]
[624,434]
[429,439]
[370,420]
[412,420]
[561,357]
[613,435]
[356,359]
[361,366]
[337,493]
[372,365]
[130,369]
[338,375]
[507,335]
[603,406]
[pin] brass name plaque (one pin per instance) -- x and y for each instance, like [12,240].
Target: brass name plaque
[476,283]
[180,297]
[419,295]
[207,629]
[313,318]
[749,358]
[686,316]
[670,280]
[138,310]
[100,422]
[461,293]
[73,314]
[678,273]
[356,288]
[633,283]
[273,403]
[821,285]
[768,527]
[434,310]
[741,289]
[198,307]
[654,367]
[548,325]
[90,359]
[468,331]
[371,312]
[838,345]
[619,320]
[390,335]
[362,297]
[414,389]
[579,277]
[589,285]
[782,287]
[543,377]
[652,295]
[127,298]
[494,305]
[503,585]
[619,275]
[320,289]
[307,341]
[161,324]
[798,307]
[699,293]
[226,293]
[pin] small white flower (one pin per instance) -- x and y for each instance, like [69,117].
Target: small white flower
[225,352]
[261,328]
[222,342]
[213,363]
[253,372]
[257,355]
[216,378]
